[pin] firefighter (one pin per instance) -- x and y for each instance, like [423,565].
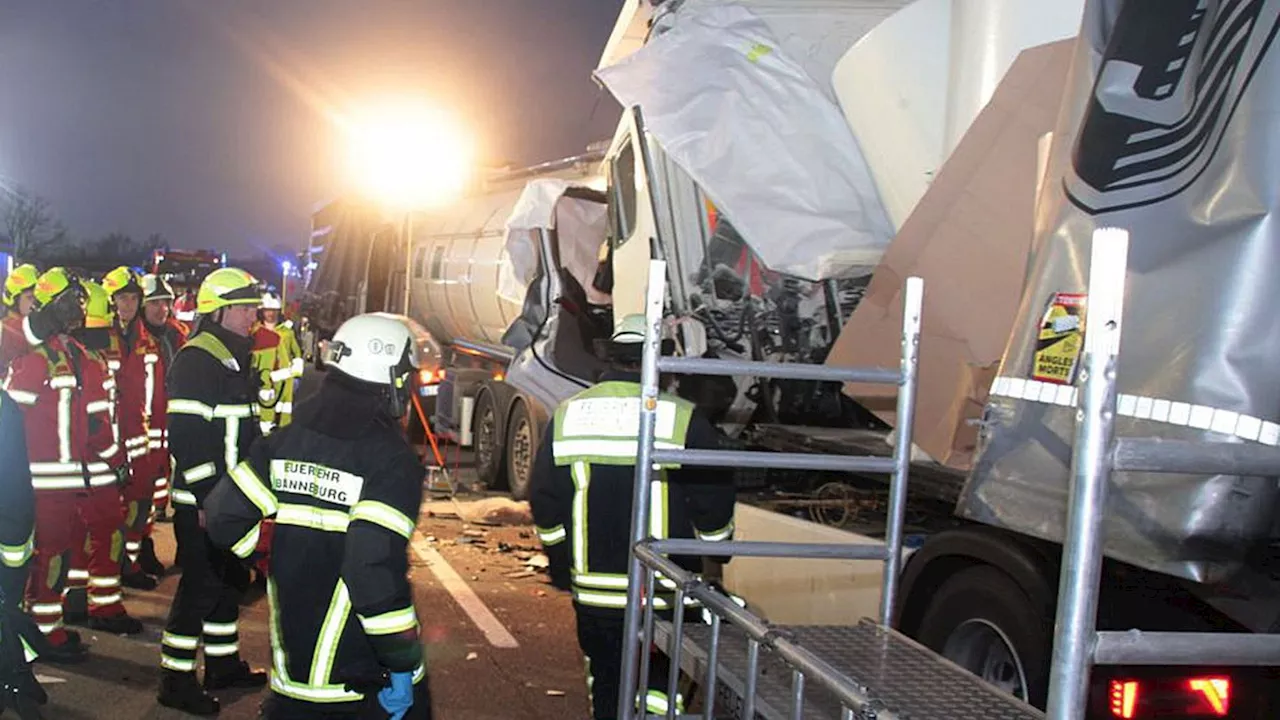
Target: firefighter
[344,487]
[86,602]
[19,688]
[271,377]
[76,464]
[19,300]
[169,333]
[184,308]
[212,389]
[288,359]
[581,499]
[139,399]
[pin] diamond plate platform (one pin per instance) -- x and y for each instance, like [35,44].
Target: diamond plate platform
[899,675]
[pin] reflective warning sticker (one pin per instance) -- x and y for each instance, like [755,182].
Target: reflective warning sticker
[1061,338]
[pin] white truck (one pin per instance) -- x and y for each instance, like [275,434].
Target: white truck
[792,162]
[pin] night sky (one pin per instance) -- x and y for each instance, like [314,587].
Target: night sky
[205,120]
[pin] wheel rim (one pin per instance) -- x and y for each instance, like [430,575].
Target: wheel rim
[484,440]
[521,452]
[984,650]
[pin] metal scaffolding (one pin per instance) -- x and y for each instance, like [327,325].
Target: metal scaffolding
[809,671]
[869,670]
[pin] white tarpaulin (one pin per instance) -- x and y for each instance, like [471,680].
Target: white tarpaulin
[766,144]
[580,225]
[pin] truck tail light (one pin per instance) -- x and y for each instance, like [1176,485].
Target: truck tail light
[430,377]
[1170,697]
[1124,698]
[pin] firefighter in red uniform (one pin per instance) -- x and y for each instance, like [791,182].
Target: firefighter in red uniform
[104,610]
[76,466]
[19,299]
[169,334]
[136,404]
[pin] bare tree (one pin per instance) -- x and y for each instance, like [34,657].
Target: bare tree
[30,223]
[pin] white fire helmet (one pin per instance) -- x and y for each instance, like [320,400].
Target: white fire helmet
[376,348]
[271,302]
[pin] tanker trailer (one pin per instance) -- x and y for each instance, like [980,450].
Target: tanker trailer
[505,281]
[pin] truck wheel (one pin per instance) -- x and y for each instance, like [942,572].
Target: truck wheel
[522,448]
[981,620]
[490,465]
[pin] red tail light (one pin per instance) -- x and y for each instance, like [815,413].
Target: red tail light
[1184,697]
[1215,692]
[1124,698]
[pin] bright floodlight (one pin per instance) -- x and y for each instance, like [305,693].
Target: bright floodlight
[409,155]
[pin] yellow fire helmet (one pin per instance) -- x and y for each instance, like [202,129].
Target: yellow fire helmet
[122,279]
[225,287]
[97,307]
[22,278]
[52,283]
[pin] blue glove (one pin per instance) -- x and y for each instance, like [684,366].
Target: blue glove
[398,698]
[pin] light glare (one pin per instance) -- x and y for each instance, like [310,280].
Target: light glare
[409,155]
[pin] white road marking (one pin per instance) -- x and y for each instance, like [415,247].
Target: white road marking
[49,679]
[471,604]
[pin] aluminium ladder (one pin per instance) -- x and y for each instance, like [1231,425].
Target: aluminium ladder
[864,671]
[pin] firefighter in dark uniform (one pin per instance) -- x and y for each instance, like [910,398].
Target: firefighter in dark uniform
[21,642]
[581,496]
[19,689]
[212,389]
[343,486]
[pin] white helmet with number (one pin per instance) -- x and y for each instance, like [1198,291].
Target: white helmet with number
[375,347]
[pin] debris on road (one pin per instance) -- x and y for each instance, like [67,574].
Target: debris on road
[555,693]
[492,511]
[472,655]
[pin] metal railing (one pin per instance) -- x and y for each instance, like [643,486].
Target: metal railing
[649,556]
[1096,454]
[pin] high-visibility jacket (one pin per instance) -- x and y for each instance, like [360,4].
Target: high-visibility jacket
[17,516]
[15,340]
[139,395]
[64,391]
[212,390]
[17,499]
[271,377]
[165,343]
[290,350]
[582,490]
[289,368]
[343,487]
[126,401]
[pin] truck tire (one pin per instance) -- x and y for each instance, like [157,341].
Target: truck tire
[983,621]
[522,448]
[491,464]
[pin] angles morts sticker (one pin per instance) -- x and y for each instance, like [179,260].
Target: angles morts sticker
[1061,339]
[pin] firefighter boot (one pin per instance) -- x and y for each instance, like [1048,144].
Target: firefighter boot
[121,624]
[147,559]
[180,691]
[236,676]
[70,651]
[138,580]
[75,606]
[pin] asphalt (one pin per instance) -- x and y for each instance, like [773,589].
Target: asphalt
[474,674]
